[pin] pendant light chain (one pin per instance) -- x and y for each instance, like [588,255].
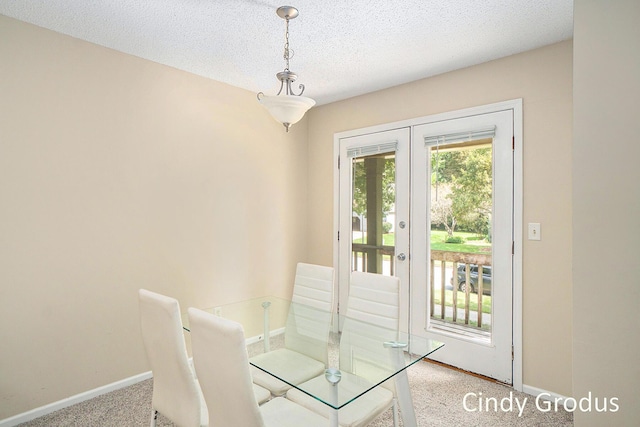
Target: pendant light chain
[286,44]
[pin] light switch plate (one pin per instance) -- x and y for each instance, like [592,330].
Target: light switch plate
[534,231]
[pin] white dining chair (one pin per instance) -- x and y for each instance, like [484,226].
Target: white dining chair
[306,333]
[372,317]
[221,362]
[176,393]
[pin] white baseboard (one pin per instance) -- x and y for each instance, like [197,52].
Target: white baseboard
[60,404]
[547,395]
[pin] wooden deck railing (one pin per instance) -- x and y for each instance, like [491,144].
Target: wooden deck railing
[361,254]
[456,258]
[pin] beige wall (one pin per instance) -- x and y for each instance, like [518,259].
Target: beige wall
[543,78]
[606,200]
[118,173]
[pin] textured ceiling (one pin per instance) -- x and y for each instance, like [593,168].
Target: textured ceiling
[342,48]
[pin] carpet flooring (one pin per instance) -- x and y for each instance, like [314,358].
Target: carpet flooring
[438,396]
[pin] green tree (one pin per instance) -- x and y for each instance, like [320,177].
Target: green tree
[465,179]
[360,186]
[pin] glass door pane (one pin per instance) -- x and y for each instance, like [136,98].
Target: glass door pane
[460,237]
[373,209]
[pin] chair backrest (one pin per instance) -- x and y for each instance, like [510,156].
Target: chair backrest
[222,365]
[175,392]
[309,318]
[313,286]
[375,299]
[372,317]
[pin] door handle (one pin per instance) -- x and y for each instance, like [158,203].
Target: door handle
[401,257]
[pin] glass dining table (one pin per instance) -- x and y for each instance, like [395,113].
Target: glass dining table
[373,352]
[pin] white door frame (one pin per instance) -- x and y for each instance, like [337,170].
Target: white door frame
[516,106]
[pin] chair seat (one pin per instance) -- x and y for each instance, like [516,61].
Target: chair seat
[358,413]
[262,394]
[284,361]
[280,412]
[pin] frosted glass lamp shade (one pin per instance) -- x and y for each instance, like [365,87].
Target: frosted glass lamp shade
[287,109]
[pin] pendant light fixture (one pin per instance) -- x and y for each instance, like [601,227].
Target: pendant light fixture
[287,108]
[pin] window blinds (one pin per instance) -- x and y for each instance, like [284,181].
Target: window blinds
[386,147]
[456,137]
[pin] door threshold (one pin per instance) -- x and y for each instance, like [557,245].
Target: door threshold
[463,371]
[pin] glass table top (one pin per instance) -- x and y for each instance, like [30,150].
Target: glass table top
[366,352]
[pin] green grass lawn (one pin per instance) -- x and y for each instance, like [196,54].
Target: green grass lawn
[473,243]
[388,239]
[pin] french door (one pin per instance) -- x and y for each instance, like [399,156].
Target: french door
[374,210]
[462,240]
[432,202]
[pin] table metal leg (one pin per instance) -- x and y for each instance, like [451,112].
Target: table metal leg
[404,400]
[334,376]
[402,385]
[267,331]
[333,421]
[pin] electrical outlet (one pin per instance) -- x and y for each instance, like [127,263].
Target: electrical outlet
[534,231]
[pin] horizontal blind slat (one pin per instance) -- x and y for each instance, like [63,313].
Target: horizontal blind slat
[465,136]
[387,147]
